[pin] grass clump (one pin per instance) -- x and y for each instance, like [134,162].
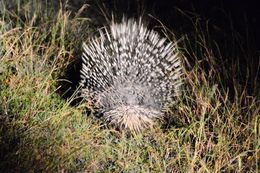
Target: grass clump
[213,128]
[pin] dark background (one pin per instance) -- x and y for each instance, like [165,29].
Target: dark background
[244,14]
[225,18]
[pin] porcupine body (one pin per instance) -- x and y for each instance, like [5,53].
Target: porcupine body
[130,74]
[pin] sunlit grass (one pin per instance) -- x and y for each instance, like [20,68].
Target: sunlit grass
[209,130]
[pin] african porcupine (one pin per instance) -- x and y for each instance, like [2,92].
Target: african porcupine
[131,74]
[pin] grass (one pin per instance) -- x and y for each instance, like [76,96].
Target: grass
[213,128]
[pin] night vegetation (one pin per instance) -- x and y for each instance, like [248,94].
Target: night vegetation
[44,127]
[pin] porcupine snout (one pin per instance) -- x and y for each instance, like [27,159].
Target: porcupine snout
[130,106]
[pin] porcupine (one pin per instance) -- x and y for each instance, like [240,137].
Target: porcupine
[131,74]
